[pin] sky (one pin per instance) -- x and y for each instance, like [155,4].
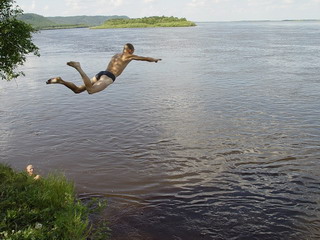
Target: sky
[193,10]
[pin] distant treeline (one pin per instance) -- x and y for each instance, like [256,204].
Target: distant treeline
[41,22]
[146,22]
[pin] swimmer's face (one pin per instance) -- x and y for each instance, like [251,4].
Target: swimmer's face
[30,169]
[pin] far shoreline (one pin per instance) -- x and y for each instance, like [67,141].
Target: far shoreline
[253,21]
[146,22]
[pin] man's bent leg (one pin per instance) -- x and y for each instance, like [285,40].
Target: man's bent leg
[69,85]
[86,80]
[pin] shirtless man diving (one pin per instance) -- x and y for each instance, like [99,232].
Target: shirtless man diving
[104,78]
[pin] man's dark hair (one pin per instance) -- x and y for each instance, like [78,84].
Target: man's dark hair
[130,46]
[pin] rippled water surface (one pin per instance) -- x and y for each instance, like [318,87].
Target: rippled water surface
[220,140]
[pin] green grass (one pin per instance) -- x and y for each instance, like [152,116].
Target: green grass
[146,22]
[42,209]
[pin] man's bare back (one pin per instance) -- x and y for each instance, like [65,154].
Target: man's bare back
[104,78]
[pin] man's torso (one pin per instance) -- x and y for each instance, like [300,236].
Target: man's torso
[118,63]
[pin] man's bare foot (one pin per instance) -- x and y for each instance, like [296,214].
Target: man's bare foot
[73,64]
[55,80]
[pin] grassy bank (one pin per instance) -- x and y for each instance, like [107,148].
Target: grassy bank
[146,22]
[65,26]
[41,209]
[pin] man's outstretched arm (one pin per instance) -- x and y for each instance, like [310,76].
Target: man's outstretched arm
[147,59]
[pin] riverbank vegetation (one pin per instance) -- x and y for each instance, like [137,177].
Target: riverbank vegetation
[43,209]
[146,22]
[15,40]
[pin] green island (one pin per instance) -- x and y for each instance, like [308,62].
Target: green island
[46,208]
[146,22]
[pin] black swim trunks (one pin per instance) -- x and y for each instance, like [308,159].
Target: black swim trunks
[107,73]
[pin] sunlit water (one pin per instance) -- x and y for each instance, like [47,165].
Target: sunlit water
[220,140]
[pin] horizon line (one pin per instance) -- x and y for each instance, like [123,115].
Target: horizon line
[199,21]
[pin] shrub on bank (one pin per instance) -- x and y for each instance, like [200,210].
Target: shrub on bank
[40,209]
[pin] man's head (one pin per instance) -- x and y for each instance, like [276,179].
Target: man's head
[129,48]
[30,170]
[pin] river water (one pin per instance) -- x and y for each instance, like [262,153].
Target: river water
[219,140]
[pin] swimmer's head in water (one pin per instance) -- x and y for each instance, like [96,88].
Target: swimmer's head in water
[30,170]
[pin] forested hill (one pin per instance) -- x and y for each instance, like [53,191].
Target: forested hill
[41,22]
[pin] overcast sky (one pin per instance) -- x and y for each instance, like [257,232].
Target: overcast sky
[194,10]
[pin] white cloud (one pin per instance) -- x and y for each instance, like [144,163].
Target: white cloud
[87,4]
[73,4]
[197,3]
[91,7]
[116,3]
[255,3]
[33,5]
